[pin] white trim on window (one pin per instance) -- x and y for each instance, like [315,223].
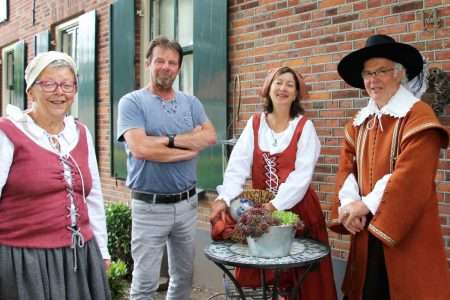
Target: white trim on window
[7,81]
[3,10]
[65,32]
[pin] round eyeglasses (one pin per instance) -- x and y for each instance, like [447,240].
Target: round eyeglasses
[50,86]
[378,73]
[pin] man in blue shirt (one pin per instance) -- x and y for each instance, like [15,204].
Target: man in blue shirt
[164,131]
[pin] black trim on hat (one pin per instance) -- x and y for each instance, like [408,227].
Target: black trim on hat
[380,46]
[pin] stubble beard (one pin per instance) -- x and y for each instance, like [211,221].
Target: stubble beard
[163,80]
[164,83]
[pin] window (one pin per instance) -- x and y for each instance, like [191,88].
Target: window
[174,19]
[3,10]
[13,85]
[67,41]
[77,38]
[8,77]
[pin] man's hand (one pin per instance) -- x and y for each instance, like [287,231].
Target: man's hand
[353,216]
[217,207]
[198,138]
[154,148]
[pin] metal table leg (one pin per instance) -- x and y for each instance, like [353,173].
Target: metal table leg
[263,283]
[298,281]
[231,277]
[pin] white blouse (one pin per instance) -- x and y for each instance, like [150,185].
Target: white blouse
[240,163]
[68,139]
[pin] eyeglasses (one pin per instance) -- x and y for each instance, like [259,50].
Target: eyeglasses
[50,86]
[378,73]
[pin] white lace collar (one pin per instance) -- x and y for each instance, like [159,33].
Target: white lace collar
[397,107]
[15,114]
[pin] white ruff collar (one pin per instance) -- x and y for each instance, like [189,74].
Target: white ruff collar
[397,107]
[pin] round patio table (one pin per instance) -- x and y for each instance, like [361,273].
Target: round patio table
[304,253]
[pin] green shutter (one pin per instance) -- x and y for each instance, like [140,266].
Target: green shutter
[86,68]
[19,76]
[41,42]
[122,68]
[210,80]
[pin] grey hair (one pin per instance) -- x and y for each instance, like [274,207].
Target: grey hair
[61,63]
[400,68]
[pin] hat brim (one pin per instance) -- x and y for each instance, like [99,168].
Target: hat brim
[351,66]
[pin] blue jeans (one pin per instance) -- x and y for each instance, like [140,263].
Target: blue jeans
[154,226]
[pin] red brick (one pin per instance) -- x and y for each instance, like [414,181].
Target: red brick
[411,6]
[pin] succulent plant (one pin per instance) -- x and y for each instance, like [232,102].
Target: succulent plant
[254,222]
[286,217]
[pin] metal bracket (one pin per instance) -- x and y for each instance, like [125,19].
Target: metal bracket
[431,18]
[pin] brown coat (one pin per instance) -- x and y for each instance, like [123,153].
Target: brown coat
[407,220]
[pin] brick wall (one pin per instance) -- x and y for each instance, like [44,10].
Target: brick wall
[312,36]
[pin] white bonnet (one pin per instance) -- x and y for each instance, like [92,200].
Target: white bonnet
[41,61]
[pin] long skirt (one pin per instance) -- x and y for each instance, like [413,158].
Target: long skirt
[48,274]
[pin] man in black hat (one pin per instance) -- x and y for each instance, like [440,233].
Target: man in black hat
[386,192]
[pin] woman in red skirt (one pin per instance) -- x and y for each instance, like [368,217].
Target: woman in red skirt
[279,149]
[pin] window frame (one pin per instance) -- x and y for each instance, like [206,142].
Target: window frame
[153,25]
[4,7]
[7,92]
[60,30]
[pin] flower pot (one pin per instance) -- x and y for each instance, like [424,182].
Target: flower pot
[275,243]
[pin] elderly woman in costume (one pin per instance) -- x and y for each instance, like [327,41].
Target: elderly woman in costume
[279,149]
[53,241]
[385,183]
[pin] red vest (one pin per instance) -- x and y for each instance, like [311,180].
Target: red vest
[34,203]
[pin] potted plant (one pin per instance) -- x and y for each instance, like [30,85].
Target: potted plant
[267,234]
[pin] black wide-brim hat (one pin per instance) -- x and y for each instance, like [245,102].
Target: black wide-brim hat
[380,46]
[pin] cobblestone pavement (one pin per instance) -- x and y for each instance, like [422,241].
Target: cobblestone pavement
[198,294]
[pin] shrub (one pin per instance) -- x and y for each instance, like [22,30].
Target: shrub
[118,223]
[116,277]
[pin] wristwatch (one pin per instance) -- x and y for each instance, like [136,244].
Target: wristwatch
[171,140]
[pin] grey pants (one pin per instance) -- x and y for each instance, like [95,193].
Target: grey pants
[154,226]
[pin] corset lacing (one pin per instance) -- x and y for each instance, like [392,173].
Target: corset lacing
[272,180]
[78,240]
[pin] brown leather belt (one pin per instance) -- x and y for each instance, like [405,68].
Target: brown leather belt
[163,198]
